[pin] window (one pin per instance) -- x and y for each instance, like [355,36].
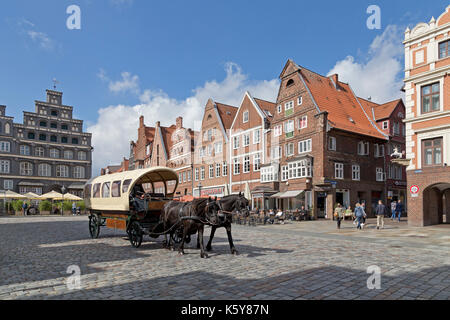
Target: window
[385,125]
[62,171]
[278,131]
[284,173]
[196,174]
[396,128]
[444,49]
[74,140]
[218,148]
[126,186]
[115,190]
[289,108]
[363,148]
[82,155]
[300,101]
[211,171]
[42,137]
[305,146]
[189,175]
[64,127]
[246,164]
[356,173]
[303,123]
[289,128]
[8,184]
[31,135]
[290,83]
[380,174]
[236,167]
[26,169]
[432,152]
[339,170]
[332,143]
[257,162]
[79,172]
[54,113]
[218,167]
[64,140]
[210,147]
[54,125]
[256,136]
[269,174]
[289,149]
[184,177]
[279,108]
[96,189]
[44,170]
[378,150]
[43,124]
[202,173]
[54,153]
[106,188]
[68,155]
[25,150]
[5,166]
[39,152]
[236,142]
[300,169]
[7,128]
[245,117]
[54,139]
[224,169]
[431,98]
[5,146]
[276,153]
[246,138]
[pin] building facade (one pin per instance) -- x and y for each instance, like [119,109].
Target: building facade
[427,88]
[47,152]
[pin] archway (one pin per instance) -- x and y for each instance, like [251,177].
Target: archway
[436,204]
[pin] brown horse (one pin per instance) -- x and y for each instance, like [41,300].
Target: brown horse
[190,218]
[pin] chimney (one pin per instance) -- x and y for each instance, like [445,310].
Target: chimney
[141,121]
[335,78]
[158,124]
[179,122]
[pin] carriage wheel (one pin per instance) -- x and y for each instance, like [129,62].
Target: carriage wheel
[94,226]
[135,234]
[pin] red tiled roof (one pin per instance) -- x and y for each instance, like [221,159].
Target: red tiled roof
[385,110]
[344,109]
[266,106]
[227,114]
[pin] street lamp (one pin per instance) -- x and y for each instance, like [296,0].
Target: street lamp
[200,190]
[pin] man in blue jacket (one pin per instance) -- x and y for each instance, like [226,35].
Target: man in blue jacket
[359,213]
[399,209]
[380,212]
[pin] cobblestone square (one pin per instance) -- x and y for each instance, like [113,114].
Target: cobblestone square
[307,260]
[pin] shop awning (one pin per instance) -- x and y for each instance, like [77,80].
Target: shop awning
[30,184]
[288,194]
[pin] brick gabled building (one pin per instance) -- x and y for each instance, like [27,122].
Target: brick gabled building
[427,88]
[140,151]
[322,145]
[248,149]
[211,167]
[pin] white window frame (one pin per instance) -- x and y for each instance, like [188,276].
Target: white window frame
[256,136]
[236,142]
[246,168]
[332,143]
[26,169]
[82,155]
[278,130]
[218,170]
[300,100]
[339,171]
[202,173]
[211,171]
[356,172]
[5,166]
[218,148]
[55,154]
[8,184]
[385,125]
[62,171]
[289,126]
[302,123]
[44,170]
[246,139]
[79,172]
[289,105]
[257,162]
[289,149]
[236,167]
[305,146]
[197,174]
[25,150]
[280,108]
[5,146]
[276,153]
[284,173]
[224,169]
[245,116]
[380,175]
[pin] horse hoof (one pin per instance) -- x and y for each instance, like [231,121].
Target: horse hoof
[181,253]
[204,256]
[235,252]
[208,249]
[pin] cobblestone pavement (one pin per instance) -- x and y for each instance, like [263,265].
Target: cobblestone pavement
[307,260]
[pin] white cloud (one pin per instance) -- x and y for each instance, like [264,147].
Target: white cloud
[42,39]
[117,125]
[380,76]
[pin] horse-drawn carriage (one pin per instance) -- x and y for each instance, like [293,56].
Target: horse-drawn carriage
[130,201]
[140,202]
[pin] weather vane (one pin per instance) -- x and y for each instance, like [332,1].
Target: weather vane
[55,82]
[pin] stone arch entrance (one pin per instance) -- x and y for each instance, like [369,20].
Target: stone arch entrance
[436,204]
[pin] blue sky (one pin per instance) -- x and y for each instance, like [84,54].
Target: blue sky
[136,53]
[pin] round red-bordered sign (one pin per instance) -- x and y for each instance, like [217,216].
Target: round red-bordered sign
[414,189]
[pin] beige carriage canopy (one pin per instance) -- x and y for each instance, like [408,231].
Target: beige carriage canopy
[111,192]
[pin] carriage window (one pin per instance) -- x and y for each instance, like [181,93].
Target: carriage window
[126,186]
[105,189]
[87,191]
[115,191]
[96,190]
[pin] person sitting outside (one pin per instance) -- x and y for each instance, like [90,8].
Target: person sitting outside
[280,216]
[303,213]
[138,195]
[270,218]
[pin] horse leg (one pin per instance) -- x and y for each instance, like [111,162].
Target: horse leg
[230,240]
[198,241]
[211,237]
[181,249]
[202,245]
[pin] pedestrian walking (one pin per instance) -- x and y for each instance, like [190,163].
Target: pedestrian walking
[339,215]
[24,208]
[359,213]
[380,212]
[393,208]
[399,210]
[363,207]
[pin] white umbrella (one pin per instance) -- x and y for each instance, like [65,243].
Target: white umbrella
[52,195]
[12,195]
[247,193]
[72,197]
[32,196]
